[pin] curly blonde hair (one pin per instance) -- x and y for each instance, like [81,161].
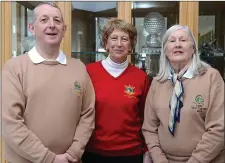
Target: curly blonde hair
[116,23]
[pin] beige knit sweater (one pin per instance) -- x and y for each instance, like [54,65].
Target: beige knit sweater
[47,109]
[199,137]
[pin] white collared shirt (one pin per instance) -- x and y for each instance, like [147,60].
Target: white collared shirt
[189,74]
[37,58]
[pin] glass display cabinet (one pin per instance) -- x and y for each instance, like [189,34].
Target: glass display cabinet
[152,19]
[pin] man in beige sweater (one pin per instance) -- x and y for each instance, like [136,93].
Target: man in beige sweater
[48,98]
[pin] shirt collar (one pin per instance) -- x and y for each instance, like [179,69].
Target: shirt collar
[37,58]
[116,65]
[188,74]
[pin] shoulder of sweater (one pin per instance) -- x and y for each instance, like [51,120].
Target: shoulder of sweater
[212,74]
[75,62]
[137,70]
[15,62]
[93,65]
[154,84]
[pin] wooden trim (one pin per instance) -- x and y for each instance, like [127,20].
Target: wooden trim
[183,9]
[6,44]
[1,31]
[188,15]
[3,153]
[192,19]
[124,12]
[6,34]
[66,8]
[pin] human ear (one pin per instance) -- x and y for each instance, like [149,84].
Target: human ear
[64,30]
[31,28]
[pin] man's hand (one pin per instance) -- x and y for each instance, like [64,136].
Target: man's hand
[64,158]
[61,158]
[70,158]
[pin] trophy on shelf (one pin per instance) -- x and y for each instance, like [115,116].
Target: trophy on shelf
[154,24]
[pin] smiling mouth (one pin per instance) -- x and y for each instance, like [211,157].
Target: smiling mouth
[119,51]
[178,52]
[51,34]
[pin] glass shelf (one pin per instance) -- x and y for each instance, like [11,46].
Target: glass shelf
[149,63]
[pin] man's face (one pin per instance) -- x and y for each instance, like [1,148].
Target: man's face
[48,27]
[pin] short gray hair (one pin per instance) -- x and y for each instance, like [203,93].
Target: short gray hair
[165,67]
[44,3]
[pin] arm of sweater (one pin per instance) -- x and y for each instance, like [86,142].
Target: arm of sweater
[212,142]
[150,128]
[15,132]
[86,124]
[143,97]
[142,106]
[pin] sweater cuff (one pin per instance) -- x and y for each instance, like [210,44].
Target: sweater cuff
[158,156]
[192,160]
[50,157]
[74,154]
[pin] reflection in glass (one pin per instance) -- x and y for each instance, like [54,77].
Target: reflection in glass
[22,39]
[88,19]
[152,19]
[211,34]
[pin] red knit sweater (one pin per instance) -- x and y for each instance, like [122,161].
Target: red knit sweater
[119,111]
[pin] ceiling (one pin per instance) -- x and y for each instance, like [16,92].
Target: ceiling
[94,6]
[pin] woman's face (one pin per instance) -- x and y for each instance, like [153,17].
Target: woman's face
[179,47]
[118,45]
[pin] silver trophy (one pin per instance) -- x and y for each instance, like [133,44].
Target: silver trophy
[154,24]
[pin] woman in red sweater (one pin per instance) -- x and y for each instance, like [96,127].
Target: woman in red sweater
[121,90]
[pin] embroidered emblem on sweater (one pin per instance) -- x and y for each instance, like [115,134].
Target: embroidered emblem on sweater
[77,87]
[129,90]
[198,103]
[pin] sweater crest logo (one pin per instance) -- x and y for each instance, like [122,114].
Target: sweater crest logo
[129,91]
[77,87]
[198,103]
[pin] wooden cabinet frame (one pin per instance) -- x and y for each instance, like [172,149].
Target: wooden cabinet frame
[66,8]
[188,15]
[124,12]
[6,33]
[6,43]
